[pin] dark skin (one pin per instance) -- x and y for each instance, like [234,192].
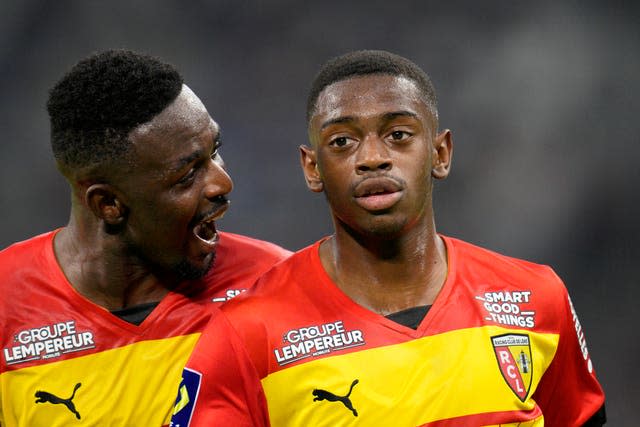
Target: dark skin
[374,153]
[133,223]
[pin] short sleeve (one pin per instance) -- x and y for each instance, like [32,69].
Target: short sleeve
[220,385]
[569,393]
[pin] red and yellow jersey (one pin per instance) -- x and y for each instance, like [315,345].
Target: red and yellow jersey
[501,345]
[67,361]
[240,261]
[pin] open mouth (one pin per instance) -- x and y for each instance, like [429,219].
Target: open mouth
[206,231]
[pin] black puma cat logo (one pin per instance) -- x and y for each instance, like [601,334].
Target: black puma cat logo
[44,396]
[330,397]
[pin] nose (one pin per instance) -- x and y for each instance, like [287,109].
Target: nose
[217,181]
[373,155]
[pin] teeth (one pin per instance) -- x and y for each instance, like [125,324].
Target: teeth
[205,231]
[216,217]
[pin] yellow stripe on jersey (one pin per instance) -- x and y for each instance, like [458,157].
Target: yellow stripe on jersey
[538,422]
[450,375]
[134,385]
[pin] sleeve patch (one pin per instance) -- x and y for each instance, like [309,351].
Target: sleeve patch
[187,397]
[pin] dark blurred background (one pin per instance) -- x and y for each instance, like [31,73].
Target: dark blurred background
[542,98]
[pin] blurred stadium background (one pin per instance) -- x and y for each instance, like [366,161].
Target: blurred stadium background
[542,98]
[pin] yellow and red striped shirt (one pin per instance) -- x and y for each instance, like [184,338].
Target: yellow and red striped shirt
[501,345]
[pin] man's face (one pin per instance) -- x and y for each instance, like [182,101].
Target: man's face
[374,147]
[174,189]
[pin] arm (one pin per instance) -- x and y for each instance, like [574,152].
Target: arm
[598,420]
[220,385]
[569,393]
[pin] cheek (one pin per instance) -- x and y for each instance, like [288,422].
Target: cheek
[335,169]
[335,182]
[168,216]
[175,217]
[340,199]
[420,164]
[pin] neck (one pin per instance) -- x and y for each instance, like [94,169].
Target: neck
[97,265]
[387,275]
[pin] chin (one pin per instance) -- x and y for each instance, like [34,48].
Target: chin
[384,227]
[189,271]
[377,229]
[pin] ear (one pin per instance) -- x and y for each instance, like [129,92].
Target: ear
[106,204]
[442,154]
[309,164]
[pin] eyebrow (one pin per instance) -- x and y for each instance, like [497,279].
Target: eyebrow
[403,113]
[387,117]
[337,120]
[183,161]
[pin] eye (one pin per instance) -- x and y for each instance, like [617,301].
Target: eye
[216,146]
[188,177]
[399,135]
[340,142]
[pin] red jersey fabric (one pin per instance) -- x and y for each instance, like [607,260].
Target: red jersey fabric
[67,361]
[501,345]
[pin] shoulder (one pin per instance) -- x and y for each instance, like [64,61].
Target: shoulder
[468,258]
[260,313]
[27,252]
[496,278]
[248,247]
[239,261]
[27,270]
[301,264]
[278,287]
[218,332]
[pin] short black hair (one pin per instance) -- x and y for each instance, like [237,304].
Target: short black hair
[95,105]
[366,62]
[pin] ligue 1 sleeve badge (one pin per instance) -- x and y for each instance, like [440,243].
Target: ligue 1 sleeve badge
[513,353]
[187,397]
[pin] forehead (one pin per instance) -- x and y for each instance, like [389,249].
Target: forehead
[183,124]
[184,115]
[369,95]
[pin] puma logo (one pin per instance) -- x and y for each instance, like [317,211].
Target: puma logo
[44,396]
[330,397]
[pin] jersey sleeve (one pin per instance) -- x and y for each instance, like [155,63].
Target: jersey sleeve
[569,393]
[220,385]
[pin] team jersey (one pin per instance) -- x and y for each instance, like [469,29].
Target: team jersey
[69,362]
[501,345]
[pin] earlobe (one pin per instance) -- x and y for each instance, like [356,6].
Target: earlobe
[105,204]
[442,154]
[309,165]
